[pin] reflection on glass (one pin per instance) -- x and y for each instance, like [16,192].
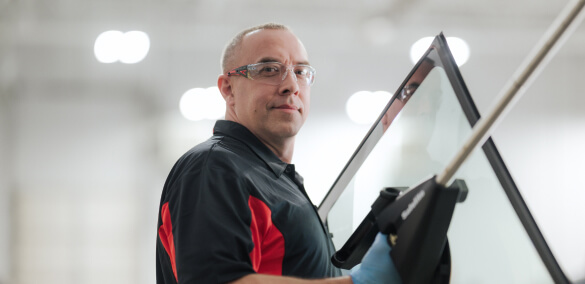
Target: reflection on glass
[411,86]
[488,242]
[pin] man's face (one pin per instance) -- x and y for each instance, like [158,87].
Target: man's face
[272,113]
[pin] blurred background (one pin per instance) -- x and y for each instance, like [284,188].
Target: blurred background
[87,138]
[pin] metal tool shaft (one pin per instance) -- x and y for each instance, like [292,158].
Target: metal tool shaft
[551,41]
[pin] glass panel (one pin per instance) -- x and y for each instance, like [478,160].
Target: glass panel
[488,242]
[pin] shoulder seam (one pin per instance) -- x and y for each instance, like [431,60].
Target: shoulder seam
[211,150]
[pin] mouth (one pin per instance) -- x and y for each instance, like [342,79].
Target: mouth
[287,107]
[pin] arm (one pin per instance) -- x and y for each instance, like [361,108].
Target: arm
[377,267]
[262,278]
[206,231]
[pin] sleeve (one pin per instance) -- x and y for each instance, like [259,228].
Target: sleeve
[205,228]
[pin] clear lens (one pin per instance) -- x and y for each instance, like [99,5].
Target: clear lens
[274,73]
[266,70]
[305,73]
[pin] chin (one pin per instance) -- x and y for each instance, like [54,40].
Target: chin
[288,129]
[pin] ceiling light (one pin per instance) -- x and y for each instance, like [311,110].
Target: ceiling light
[364,107]
[199,104]
[106,46]
[134,47]
[130,47]
[458,47]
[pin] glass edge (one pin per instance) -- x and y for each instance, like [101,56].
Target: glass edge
[337,189]
[497,163]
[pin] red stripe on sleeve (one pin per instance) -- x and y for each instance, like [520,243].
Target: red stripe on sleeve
[165,233]
[268,251]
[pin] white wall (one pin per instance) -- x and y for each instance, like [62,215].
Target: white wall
[85,206]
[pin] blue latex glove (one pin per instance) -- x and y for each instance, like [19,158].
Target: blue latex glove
[377,265]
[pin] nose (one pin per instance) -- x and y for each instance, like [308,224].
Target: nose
[289,71]
[289,85]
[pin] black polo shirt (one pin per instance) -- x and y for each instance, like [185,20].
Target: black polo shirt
[231,207]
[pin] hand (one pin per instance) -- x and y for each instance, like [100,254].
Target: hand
[377,265]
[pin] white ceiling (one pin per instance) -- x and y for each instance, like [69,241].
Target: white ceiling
[46,46]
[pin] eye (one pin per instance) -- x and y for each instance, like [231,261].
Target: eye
[302,71]
[269,69]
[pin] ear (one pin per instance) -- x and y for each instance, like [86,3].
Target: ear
[225,87]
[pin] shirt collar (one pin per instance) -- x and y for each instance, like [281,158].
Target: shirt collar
[241,133]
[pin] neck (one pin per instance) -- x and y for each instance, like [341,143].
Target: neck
[283,148]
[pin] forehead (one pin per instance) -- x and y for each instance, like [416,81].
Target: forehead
[280,45]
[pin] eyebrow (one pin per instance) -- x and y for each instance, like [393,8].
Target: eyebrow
[272,59]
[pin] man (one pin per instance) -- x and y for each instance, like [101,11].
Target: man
[233,208]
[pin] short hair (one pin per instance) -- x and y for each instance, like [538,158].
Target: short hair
[228,57]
